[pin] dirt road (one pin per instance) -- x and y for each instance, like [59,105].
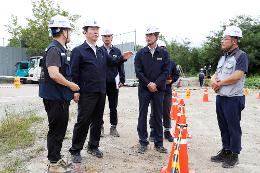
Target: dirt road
[120,154]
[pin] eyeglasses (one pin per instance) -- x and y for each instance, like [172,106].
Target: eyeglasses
[107,36]
[149,35]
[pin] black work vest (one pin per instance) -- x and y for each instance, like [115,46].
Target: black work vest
[48,88]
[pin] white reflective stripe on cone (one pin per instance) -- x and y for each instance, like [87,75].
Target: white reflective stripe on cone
[183,141]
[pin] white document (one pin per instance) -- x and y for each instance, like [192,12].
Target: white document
[117,80]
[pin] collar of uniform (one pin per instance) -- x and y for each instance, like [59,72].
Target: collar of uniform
[94,46]
[88,46]
[111,47]
[147,49]
[60,45]
[233,52]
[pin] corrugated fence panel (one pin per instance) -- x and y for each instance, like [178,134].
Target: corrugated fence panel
[9,56]
[129,65]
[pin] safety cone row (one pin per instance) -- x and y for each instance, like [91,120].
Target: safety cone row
[205,96]
[178,160]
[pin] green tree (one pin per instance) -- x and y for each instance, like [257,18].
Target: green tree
[15,30]
[34,36]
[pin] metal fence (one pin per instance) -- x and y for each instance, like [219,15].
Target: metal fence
[129,65]
[9,56]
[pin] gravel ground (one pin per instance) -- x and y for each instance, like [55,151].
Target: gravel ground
[120,154]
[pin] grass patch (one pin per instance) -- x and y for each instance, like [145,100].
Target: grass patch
[12,166]
[14,131]
[253,82]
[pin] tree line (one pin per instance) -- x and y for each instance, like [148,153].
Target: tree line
[35,38]
[192,59]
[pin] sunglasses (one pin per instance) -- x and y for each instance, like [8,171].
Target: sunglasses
[107,36]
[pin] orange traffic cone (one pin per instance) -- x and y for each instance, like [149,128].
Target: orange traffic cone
[246,91]
[173,163]
[174,93]
[205,95]
[181,117]
[188,93]
[174,108]
[17,82]
[178,161]
[258,96]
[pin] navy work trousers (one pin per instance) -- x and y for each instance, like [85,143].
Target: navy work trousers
[90,114]
[145,96]
[229,116]
[167,102]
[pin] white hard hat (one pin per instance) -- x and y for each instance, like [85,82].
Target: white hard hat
[91,22]
[107,32]
[59,21]
[233,31]
[201,69]
[152,29]
[161,43]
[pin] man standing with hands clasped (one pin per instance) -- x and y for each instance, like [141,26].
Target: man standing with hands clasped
[152,68]
[228,83]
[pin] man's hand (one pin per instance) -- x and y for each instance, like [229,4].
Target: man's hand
[73,86]
[120,84]
[215,84]
[127,55]
[152,87]
[168,81]
[76,97]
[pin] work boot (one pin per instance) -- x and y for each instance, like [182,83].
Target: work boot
[102,134]
[114,132]
[221,156]
[168,135]
[60,167]
[151,138]
[95,152]
[76,158]
[230,161]
[142,149]
[160,149]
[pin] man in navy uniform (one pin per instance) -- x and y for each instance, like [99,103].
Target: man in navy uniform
[228,82]
[56,89]
[89,64]
[152,68]
[172,77]
[115,79]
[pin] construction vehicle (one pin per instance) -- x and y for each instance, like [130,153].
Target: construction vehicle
[22,68]
[34,70]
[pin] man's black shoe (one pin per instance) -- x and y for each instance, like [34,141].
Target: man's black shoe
[76,158]
[95,152]
[160,149]
[221,156]
[230,161]
[142,149]
[167,135]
